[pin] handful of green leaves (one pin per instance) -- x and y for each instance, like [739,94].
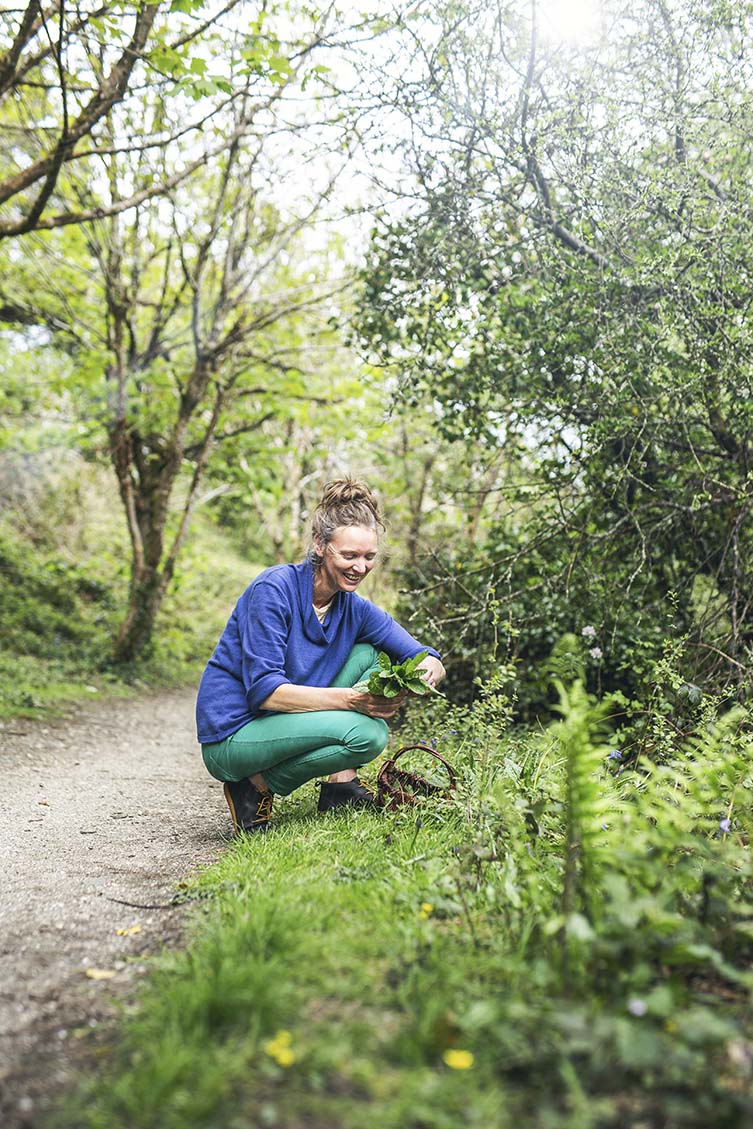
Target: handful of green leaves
[392,678]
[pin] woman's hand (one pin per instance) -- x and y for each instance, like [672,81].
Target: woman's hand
[432,670]
[374,706]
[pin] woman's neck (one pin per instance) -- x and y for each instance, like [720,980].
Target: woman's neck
[322,593]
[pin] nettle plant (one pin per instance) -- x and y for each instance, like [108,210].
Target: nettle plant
[391,679]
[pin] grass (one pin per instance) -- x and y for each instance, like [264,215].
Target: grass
[319,984]
[411,970]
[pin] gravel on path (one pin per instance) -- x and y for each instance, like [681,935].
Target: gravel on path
[107,806]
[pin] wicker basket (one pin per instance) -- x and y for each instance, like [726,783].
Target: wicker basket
[397,786]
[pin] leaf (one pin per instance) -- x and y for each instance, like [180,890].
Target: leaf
[579,927]
[415,662]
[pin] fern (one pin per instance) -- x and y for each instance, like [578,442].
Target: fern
[589,799]
[707,782]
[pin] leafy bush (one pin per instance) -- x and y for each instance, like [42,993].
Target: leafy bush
[50,607]
[481,612]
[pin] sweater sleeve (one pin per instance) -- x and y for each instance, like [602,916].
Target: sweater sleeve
[264,634]
[384,633]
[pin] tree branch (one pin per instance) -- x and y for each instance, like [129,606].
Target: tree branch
[9,61]
[110,92]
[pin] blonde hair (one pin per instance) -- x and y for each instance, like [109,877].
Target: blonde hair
[345,501]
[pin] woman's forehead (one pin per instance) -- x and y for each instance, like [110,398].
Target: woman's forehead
[355,539]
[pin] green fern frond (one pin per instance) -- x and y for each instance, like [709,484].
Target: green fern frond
[591,803]
[710,778]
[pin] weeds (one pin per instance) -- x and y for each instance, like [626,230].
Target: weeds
[567,944]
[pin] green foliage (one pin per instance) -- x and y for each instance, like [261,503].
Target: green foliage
[567,944]
[573,285]
[586,803]
[62,585]
[392,679]
[555,607]
[56,617]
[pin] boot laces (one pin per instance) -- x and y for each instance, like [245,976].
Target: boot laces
[263,808]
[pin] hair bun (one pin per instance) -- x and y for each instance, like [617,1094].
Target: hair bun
[345,491]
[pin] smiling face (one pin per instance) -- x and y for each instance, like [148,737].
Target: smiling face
[347,558]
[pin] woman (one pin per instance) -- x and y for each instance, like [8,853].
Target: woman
[276,703]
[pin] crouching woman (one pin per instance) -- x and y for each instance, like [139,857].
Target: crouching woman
[276,704]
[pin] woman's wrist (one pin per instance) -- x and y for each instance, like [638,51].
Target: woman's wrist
[350,699]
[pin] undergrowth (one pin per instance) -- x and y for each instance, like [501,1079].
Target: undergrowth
[63,594]
[566,945]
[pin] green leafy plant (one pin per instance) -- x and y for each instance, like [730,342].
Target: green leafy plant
[390,679]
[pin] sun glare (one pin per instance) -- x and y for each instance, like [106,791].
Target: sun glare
[568,21]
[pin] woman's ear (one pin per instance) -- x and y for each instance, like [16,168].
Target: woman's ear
[318,546]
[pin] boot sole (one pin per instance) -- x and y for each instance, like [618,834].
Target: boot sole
[231,805]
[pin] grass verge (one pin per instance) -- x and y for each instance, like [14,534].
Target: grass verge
[317,985]
[491,962]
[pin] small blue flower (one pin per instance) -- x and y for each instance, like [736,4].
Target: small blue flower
[637,1007]
[725,825]
[616,755]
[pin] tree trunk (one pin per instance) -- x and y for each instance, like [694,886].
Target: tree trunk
[147,474]
[136,630]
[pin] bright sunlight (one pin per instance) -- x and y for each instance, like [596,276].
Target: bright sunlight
[571,21]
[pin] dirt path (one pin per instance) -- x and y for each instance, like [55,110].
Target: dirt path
[108,805]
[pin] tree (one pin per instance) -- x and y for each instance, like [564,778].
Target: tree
[575,274]
[62,73]
[187,316]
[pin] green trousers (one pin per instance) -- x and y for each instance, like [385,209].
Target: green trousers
[291,748]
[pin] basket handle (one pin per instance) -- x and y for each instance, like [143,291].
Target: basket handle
[390,762]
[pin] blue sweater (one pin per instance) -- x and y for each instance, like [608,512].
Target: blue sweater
[274,637]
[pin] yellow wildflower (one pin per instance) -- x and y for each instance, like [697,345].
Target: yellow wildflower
[280,1048]
[458,1060]
[426,910]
